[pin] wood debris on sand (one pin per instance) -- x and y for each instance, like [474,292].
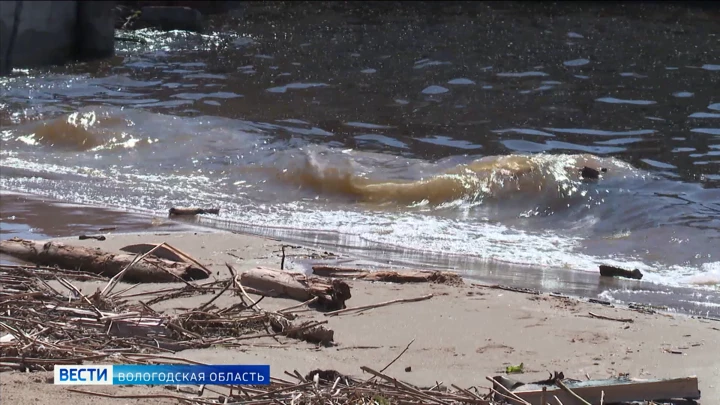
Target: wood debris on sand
[45,320]
[151,269]
[390,276]
[330,294]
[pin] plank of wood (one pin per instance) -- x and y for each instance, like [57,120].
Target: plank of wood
[616,390]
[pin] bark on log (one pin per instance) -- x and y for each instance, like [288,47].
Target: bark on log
[612,271]
[412,276]
[331,294]
[149,270]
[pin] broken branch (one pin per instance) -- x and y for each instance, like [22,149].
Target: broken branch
[609,318]
[382,304]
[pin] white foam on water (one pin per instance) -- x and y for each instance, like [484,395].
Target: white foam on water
[415,231]
[709,275]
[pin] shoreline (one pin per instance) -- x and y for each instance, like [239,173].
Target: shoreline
[459,335]
[37,218]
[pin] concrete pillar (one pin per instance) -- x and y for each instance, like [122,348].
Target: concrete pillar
[45,32]
[41,33]
[96,29]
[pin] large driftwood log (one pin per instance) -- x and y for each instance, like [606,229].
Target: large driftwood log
[612,271]
[149,270]
[331,294]
[410,276]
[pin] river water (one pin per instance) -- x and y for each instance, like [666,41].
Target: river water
[436,134]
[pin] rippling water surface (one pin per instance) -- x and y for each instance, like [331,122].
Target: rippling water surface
[458,131]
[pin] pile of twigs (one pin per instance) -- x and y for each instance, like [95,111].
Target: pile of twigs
[45,319]
[317,387]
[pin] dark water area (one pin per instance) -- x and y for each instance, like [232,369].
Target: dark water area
[431,133]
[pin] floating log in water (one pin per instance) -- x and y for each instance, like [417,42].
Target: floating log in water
[590,173]
[149,270]
[410,276]
[193,211]
[331,294]
[612,271]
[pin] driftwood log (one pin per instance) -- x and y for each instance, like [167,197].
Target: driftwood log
[310,331]
[590,173]
[149,270]
[410,276]
[175,211]
[612,271]
[331,294]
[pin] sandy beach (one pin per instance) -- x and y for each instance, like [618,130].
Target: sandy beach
[460,335]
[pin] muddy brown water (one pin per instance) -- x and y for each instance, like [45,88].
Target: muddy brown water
[431,135]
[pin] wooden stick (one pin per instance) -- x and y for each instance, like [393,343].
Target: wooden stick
[506,391]
[398,356]
[382,304]
[558,400]
[308,302]
[188,257]
[470,393]
[116,279]
[501,395]
[205,305]
[564,387]
[408,388]
[611,318]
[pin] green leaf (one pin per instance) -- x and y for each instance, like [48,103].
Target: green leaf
[514,369]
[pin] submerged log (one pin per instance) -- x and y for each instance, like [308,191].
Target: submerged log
[390,276]
[612,271]
[149,270]
[331,294]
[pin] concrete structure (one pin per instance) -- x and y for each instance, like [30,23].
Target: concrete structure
[40,33]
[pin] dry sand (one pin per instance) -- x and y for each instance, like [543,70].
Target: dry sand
[460,335]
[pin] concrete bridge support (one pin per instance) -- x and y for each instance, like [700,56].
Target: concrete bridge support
[40,33]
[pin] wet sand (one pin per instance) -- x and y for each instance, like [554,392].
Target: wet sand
[32,217]
[461,335]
